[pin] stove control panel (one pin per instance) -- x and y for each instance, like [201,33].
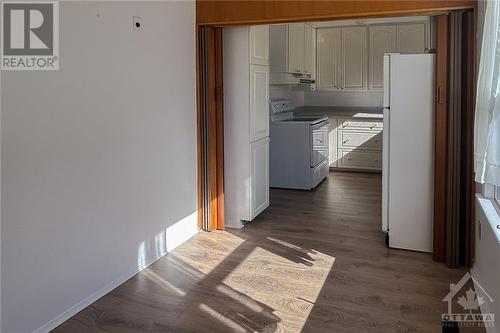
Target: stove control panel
[282,105]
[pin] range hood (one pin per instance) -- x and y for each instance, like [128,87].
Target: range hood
[290,78]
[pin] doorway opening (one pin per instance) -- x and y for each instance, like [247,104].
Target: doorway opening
[338,62]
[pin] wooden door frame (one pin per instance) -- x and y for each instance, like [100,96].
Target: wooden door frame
[269,13]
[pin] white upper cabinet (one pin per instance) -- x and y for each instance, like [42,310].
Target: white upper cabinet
[296,47]
[411,38]
[354,58]
[259,45]
[292,48]
[259,102]
[351,57]
[382,39]
[328,59]
[309,49]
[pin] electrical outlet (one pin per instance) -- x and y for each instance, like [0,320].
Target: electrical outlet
[137,20]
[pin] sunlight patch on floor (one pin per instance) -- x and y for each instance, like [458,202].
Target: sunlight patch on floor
[264,273]
[207,250]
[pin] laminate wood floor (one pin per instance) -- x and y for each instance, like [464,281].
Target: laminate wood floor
[312,262]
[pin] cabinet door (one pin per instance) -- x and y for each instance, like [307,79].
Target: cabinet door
[259,102]
[328,59]
[259,44]
[382,39]
[310,54]
[332,137]
[296,48]
[411,38]
[354,58]
[259,177]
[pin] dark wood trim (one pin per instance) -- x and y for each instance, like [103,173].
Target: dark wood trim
[441,120]
[219,13]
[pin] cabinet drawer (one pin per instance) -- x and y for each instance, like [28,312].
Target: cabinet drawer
[360,140]
[360,160]
[360,124]
[319,173]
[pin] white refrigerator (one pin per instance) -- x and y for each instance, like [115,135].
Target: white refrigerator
[408,151]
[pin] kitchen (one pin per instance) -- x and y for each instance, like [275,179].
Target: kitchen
[307,101]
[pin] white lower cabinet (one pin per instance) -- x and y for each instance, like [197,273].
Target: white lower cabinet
[259,176]
[355,144]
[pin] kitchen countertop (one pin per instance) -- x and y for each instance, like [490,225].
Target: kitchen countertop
[336,111]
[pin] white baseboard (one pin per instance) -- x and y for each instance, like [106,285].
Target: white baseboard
[61,318]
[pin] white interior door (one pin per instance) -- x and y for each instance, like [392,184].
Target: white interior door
[259,177]
[411,152]
[259,102]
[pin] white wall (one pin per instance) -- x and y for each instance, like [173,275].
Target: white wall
[486,269]
[98,158]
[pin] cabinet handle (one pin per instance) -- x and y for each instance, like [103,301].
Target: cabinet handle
[376,141]
[345,125]
[373,126]
[321,141]
[346,140]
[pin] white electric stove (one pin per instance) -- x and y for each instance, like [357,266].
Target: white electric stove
[298,148]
